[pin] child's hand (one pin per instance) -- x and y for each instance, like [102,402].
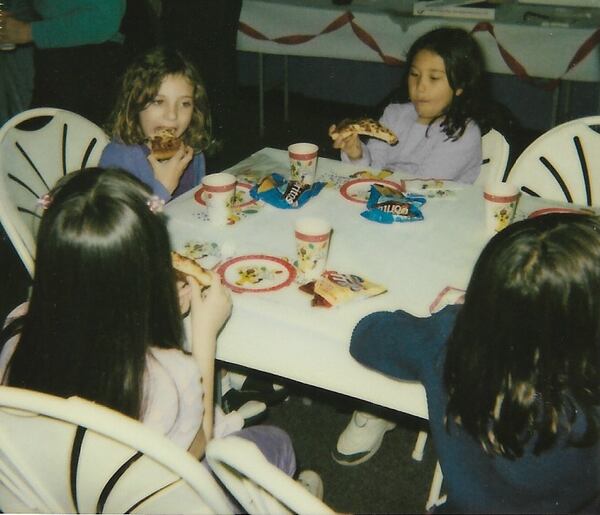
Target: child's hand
[169,172]
[350,143]
[184,293]
[211,306]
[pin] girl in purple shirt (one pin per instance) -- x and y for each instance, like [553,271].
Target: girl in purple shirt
[438,133]
[161,90]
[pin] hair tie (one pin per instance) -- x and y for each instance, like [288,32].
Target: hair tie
[155,204]
[44,201]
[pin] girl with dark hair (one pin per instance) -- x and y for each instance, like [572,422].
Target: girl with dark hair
[512,377]
[160,90]
[438,129]
[104,319]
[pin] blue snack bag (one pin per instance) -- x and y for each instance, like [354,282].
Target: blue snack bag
[386,205]
[278,192]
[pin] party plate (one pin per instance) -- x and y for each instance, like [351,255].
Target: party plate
[242,195]
[358,190]
[256,273]
[548,210]
[207,254]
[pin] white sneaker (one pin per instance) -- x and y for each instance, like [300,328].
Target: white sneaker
[361,439]
[310,480]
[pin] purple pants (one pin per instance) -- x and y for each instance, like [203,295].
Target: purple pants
[274,443]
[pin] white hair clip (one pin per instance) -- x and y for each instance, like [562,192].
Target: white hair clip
[156,204]
[44,201]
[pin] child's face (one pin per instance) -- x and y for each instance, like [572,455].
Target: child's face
[171,108]
[428,86]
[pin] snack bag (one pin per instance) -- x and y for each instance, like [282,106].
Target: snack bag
[275,190]
[334,288]
[386,205]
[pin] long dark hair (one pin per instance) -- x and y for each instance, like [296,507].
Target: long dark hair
[464,69]
[103,292]
[522,361]
[139,86]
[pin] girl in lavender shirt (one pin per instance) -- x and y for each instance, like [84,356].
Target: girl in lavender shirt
[437,130]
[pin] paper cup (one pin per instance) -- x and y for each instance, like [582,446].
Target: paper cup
[312,246]
[303,162]
[500,204]
[218,195]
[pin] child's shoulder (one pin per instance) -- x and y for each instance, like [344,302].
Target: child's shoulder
[116,152]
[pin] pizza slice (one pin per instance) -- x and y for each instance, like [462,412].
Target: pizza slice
[369,127]
[164,145]
[185,266]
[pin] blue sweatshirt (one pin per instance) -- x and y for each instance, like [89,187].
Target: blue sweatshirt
[563,479]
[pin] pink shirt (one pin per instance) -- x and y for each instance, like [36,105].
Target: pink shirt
[172,402]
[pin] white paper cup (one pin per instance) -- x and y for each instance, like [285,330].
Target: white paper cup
[312,246]
[218,195]
[303,162]
[500,205]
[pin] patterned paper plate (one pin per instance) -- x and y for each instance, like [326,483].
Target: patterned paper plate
[242,195]
[548,210]
[256,273]
[358,190]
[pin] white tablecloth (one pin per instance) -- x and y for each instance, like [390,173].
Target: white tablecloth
[383,30]
[281,333]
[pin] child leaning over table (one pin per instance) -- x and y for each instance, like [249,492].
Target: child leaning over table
[513,376]
[438,132]
[160,90]
[104,320]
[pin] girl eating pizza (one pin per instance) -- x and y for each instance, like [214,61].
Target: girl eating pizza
[437,131]
[161,124]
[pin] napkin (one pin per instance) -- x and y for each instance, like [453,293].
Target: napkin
[431,188]
[275,190]
[334,288]
[386,205]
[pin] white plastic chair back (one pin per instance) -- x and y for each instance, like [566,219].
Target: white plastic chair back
[562,164]
[494,152]
[259,486]
[31,161]
[70,455]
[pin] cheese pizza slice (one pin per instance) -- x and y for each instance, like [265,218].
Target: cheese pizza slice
[371,128]
[164,145]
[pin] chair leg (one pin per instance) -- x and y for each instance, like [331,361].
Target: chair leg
[434,498]
[417,453]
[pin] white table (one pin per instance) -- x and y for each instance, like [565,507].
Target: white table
[282,334]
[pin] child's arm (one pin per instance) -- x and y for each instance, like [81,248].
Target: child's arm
[210,309]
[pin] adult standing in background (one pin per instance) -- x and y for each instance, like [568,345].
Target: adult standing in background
[16,66]
[78,53]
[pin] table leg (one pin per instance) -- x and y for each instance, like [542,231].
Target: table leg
[555,98]
[286,90]
[434,498]
[261,96]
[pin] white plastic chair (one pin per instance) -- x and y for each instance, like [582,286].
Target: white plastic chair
[562,164]
[31,161]
[259,486]
[494,152]
[73,456]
